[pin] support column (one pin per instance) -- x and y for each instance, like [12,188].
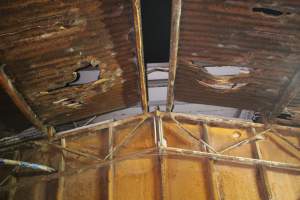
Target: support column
[61,180]
[216,195]
[262,174]
[111,170]
[161,145]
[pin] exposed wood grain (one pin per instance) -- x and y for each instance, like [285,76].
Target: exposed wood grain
[62,167]
[235,159]
[185,175]
[216,193]
[161,143]
[140,53]
[190,170]
[283,185]
[175,25]
[262,173]
[111,170]
[228,122]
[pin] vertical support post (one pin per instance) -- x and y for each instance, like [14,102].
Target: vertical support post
[50,132]
[140,53]
[111,170]
[161,144]
[216,195]
[175,29]
[262,174]
[61,180]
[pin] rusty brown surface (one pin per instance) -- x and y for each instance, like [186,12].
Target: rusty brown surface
[43,43]
[230,33]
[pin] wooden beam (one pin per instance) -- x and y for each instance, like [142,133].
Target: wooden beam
[161,145]
[245,141]
[20,102]
[111,170]
[96,165]
[232,159]
[97,126]
[287,94]
[61,169]
[286,140]
[126,139]
[140,53]
[175,28]
[72,151]
[262,173]
[216,193]
[191,134]
[285,146]
[226,122]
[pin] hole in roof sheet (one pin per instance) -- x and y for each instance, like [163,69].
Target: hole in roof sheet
[267,11]
[226,70]
[86,75]
[88,72]
[223,87]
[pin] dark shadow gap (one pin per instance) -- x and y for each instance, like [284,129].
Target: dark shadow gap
[156,23]
[268,11]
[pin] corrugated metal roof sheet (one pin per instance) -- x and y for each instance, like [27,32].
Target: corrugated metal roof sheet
[263,37]
[44,43]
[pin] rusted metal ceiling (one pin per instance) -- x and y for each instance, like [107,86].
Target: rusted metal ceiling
[44,43]
[261,37]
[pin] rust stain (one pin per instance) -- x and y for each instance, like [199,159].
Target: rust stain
[262,37]
[44,43]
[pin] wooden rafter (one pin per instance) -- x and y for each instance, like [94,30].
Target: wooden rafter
[140,53]
[20,102]
[291,90]
[175,26]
